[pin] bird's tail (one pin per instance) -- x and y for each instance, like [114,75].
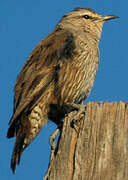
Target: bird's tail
[18,149]
[26,129]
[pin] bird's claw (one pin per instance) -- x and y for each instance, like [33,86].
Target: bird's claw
[76,121]
[52,140]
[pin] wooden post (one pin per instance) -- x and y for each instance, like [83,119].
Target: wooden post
[98,150]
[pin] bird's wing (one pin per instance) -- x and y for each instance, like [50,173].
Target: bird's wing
[39,70]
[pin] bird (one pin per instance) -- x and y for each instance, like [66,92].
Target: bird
[57,76]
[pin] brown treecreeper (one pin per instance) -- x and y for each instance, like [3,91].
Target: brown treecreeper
[57,77]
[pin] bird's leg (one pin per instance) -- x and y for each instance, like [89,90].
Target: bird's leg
[52,140]
[81,112]
[79,107]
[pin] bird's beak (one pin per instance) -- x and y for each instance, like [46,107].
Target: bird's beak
[106,18]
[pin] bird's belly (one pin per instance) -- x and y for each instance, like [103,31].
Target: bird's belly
[78,84]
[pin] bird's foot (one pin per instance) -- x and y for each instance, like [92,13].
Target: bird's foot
[52,140]
[79,107]
[80,114]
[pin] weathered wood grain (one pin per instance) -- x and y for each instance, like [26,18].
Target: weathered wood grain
[99,150]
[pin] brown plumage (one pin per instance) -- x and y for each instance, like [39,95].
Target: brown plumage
[60,71]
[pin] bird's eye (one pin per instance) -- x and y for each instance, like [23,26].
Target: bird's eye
[86,16]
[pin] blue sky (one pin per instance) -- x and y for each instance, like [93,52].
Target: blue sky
[22,25]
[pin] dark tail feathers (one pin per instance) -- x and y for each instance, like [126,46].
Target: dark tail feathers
[11,131]
[18,149]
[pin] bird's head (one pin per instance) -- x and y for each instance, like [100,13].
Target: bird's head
[86,20]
